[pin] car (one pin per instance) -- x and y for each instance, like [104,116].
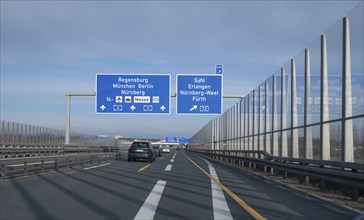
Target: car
[157,150]
[166,150]
[141,150]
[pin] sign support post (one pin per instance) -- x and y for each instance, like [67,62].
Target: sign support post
[68,113]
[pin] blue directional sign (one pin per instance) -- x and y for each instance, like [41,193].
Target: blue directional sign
[218,68]
[171,139]
[132,93]
[183,140]
[199,94]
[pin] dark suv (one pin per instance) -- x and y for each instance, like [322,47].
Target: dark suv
[141,150]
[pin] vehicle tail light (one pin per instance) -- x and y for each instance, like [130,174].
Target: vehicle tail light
[130,149]
[149,150]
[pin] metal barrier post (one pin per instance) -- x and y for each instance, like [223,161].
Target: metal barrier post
[2,170]
[25,168]
[354,193]
[347,137]
[324,104]
[307,180]
[308,153]
[56,164]
[42,165]
[322,185]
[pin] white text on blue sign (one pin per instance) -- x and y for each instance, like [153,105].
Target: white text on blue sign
[199,94]
[132,93]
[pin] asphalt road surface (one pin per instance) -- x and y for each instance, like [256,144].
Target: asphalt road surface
[179,185]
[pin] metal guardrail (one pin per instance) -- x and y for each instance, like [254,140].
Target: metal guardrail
[13,167]
[7,151]
[343,173]
[322,163]
[14,133]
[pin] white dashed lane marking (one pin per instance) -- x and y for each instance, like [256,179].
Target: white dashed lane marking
[149,207]
[168,167]
[87,168]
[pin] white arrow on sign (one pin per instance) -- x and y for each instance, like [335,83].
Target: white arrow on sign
[163,108]
[132,108]
[102,107]
[193,108]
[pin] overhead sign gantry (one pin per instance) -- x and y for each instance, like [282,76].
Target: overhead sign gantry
[150,93]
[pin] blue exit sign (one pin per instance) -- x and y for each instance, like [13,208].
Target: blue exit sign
[199,94]
[218,68]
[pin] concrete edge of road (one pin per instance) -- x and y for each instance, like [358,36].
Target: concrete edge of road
[292,187]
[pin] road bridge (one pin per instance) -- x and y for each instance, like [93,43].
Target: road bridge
[180,185]
[304,123]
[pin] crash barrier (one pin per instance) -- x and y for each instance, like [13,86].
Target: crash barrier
[15,151]
[342,173]
[13,167]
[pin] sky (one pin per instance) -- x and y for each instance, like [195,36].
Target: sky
[49,48]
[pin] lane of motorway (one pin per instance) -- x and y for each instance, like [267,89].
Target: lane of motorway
[178,186]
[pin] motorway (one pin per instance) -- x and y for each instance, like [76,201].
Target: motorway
[180,185]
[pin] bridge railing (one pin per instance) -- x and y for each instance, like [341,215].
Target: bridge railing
[342,173]
[14,133]
[310,108]
[19,151]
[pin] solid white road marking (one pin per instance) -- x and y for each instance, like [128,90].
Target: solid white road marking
[220,206]
[149,207]
[174,156]
[168,167]
[105,164]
